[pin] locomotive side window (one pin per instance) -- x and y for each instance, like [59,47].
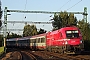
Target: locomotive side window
[72,34]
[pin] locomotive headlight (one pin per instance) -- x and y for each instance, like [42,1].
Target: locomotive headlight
[66,42]
[80,41]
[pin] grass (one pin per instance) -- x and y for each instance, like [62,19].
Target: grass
[1,50]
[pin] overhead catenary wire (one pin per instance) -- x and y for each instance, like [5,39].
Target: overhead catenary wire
[25,5]
[64,4]
[24,9]
[74,5]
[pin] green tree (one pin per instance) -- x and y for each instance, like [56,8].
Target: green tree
[41,31]
[57,23]
[72,20]
[29,30]
[13,35]
[33,30]
[85,29]
[63,19]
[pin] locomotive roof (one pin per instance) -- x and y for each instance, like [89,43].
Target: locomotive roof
[69,28]
[63,29]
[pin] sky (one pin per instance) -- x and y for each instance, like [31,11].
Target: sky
[42,5]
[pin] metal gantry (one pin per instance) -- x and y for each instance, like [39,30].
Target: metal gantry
[45,12]
[29,22]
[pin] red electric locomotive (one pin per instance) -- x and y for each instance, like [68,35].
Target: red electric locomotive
[65,40]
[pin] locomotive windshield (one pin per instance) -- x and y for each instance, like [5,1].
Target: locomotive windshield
[72,34]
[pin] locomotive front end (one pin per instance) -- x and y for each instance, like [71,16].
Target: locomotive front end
[74,42]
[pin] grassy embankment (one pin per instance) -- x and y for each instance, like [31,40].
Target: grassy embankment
[1,50]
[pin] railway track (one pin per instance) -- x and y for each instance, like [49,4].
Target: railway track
[27,56]
[41,55]
[71,57]
[15,55]
[56,56]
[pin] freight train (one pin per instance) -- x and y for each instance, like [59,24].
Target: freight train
[67,40]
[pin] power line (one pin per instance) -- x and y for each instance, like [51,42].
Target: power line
[25,9]
[25,4]
[64,4]
[74,5]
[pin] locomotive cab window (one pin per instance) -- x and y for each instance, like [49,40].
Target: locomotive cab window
[72,34]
